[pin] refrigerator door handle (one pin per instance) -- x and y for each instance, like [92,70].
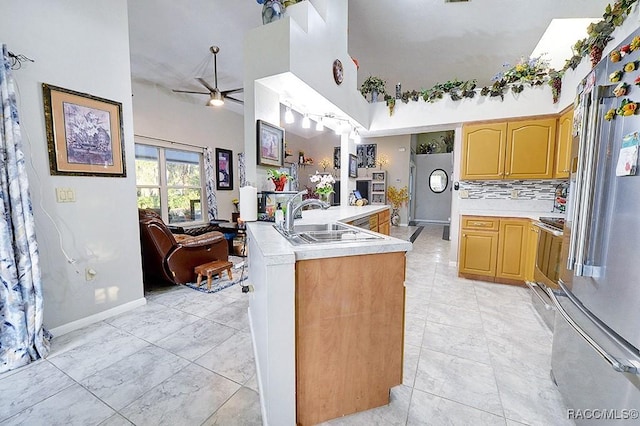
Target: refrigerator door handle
[619,365]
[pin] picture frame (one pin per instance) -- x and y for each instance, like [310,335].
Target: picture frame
[353,166]
[367,155]
[84,133]
[336,157]
[270,144]
[224,169]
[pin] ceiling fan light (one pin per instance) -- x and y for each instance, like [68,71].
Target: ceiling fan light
[216,99]
[288,116]
[306,122]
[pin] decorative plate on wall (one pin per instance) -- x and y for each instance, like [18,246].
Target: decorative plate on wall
[338,73]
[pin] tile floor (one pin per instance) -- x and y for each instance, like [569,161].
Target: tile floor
[475,354]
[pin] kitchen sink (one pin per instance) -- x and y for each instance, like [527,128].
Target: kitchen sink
[326,233]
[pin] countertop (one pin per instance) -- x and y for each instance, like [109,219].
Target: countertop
[277,250]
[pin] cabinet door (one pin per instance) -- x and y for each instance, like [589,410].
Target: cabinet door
[530,149]
[512,249]
[563,150]
[483,151]
[478,251]
[532,249]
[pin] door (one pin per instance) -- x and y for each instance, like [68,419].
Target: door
[433,187]
[478,252]
[530,148]
[512,249]
[483,151]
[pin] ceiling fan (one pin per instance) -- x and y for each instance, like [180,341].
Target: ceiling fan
[216,97]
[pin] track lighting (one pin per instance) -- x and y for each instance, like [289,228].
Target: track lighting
[355,135]
[288,116]
[320,124]
[306,122]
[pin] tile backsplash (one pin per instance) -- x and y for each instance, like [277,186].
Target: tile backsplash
[501,189]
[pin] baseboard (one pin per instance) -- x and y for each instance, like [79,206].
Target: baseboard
[258,370]
[75,325]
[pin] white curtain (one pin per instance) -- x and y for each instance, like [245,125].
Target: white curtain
[22,336]
[210,184]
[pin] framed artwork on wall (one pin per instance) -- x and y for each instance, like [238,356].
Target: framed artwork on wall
[353,166]
[224,169]
[336,157]
[270,144]
[84,133]
[367,155]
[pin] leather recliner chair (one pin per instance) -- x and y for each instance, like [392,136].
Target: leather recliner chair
[169,258]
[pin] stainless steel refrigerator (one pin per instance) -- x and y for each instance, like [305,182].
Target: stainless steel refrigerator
[596,341]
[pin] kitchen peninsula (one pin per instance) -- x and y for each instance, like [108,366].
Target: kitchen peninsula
[327,320]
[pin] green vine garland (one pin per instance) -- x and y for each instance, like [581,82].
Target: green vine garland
[530,72]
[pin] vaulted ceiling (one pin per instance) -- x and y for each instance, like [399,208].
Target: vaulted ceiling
[413,42]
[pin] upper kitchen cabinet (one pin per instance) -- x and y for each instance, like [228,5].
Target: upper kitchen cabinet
[530,148]
[563,150]
[483,151]
[511,150]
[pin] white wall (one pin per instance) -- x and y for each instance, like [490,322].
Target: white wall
[160,114]
[83,46]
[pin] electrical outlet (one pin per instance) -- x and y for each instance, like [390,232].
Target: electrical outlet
[464,193]
[90,274]
[514,194]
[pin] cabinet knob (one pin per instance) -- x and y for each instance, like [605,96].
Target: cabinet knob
[507,173]
[464,235]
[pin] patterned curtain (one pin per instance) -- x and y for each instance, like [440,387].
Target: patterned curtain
[210,183]
[22,336]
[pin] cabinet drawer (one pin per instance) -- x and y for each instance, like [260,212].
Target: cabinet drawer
[479,222]
[383,216]
[373,221]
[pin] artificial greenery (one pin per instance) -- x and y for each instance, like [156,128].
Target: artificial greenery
[530,72]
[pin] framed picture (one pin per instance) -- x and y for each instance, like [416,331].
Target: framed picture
[270,144]
[367,155]
[84,133]
[336,157]
[353,166]
[224,169]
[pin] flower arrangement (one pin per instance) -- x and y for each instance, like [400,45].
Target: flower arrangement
[324,163]
[324,183]
[235,203]
[398,197]
[278,178]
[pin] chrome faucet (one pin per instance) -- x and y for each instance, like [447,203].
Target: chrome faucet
[293,208]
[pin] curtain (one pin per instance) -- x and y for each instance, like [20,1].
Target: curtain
[210,184]
[22,336]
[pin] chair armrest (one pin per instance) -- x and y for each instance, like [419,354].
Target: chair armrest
[202,240]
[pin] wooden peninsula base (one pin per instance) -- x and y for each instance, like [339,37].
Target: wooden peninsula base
[349,333]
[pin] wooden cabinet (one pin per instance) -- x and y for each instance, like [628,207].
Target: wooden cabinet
[349,336]
[563,149]
[493,249]
[483,151]
[383,222]
[509,150]
[532,249]
[373,222]
[512,249]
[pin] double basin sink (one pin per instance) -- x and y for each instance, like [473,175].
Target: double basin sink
[326,233]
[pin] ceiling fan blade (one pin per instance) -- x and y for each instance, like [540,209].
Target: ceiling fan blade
[226,92]
[205,84]
[189,91]
[234,99]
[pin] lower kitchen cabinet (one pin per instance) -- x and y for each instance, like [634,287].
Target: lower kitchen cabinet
[383,222]
[494,249]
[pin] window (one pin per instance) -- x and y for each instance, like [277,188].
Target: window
[171,182]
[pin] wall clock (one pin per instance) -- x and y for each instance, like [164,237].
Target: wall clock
[338,73]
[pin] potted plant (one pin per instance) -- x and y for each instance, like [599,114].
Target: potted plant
[375,86]
[278,178]
[398,198]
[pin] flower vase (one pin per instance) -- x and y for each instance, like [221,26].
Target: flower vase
[395,217]
[326,197]
[272,10]
[374,96]
[279,183]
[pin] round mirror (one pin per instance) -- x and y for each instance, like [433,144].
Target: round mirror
[438,181]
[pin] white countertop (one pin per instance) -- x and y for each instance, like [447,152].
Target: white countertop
[277,250]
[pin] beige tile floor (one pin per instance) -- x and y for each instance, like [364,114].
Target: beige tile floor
[475,354]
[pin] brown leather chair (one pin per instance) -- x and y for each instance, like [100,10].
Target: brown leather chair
[169,258]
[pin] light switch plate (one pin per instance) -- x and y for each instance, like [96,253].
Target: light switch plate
[65,195]
[464,193]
